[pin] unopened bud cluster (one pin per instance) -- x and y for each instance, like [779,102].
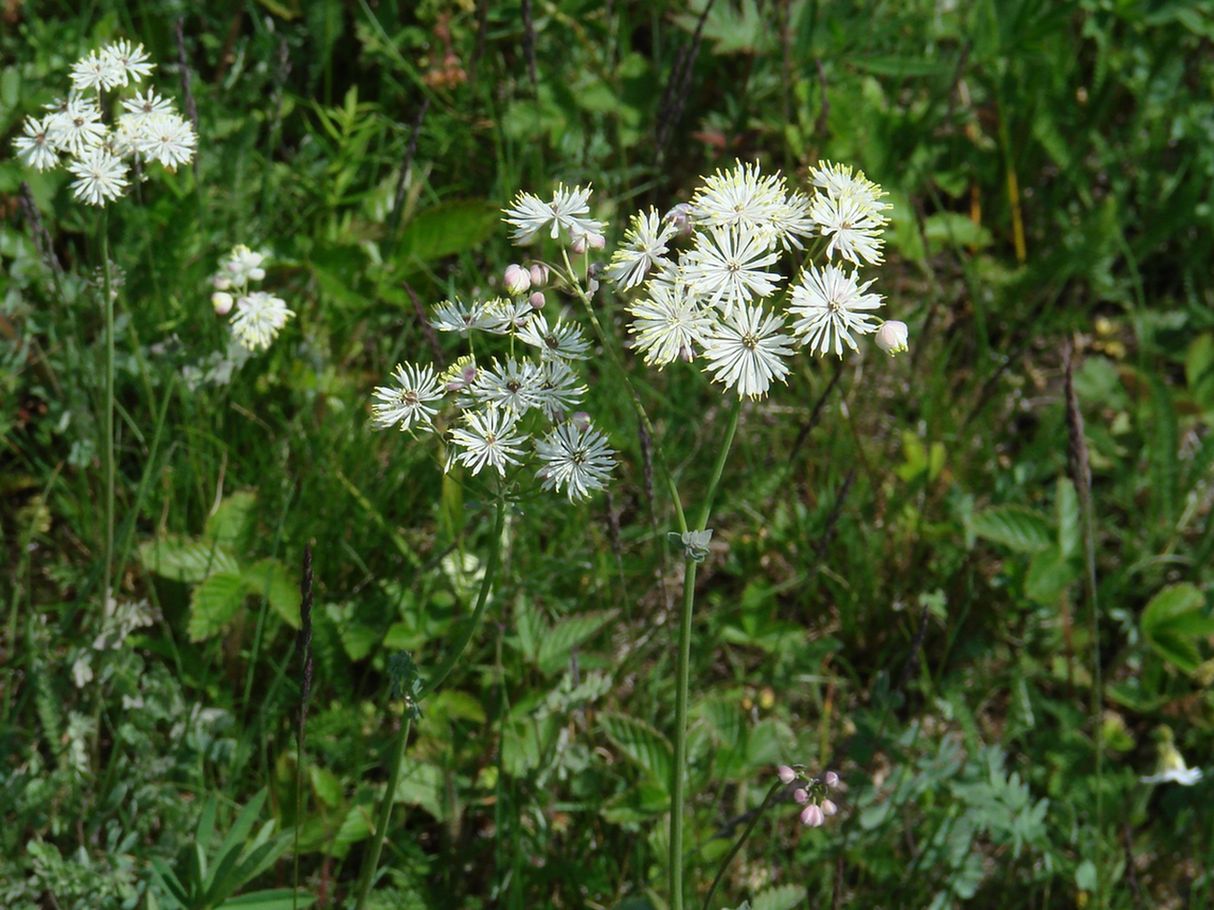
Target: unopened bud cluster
[259,316]
[811,793]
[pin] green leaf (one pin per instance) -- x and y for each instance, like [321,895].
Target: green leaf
[1174,622]
[184,559]
[781,897]
[214,602]
[530,627]
[447,229]
[1015,527]
[641,743]
[1049,575]
[559,642]
[1199,371]
[274,899]
[945,230]
[1066,510]
[231,522]
[421,784]
[1164,445]
[270,579]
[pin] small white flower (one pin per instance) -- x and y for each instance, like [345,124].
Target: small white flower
[97,72]
[892,337]
[505,317]
[259,318]
[1171,767]
[488,438]
[740,197]
[221,302]
[559,388]
[100,177]
[645,246]
[75,126]
[409,401]
[514,385]
[853,225]
[727,266]
[843,180]
[791,221]
[130,60]
[832,306]
[576,460]
[168,139]
[35,147]
[560,341]
[242,266]
[144,105]
[667,322]
[745,350]
[529,215]
[82,670]
[456,316]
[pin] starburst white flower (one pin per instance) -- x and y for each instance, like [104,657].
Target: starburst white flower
[76,126]
[35,147]
[728,264]
[100,177]
[576,460]
[746,350]
[740,197]
[456,316]
[97,72]
[832,306]
[645,246]
[560,341]
[843,180]
[168,139]
[514,384]
[144,105]
[529,215]
[791,221]
[487,437]
[259,318]
[667,322]
[506,317]
[129,60]
[560,390]
[409,402]
[853,224]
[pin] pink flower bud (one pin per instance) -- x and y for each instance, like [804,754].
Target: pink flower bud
[470,373]
[221,282]
[579,245]
[596,241]
[787,775]
[829,808]
[516,278]
[536,300]
[539,274]
[581,420]
[892,337]
[812,816]
[222,302]
[831,779]
[801,795]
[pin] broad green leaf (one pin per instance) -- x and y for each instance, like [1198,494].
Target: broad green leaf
[421,784]
[1066,510]
[270,579]
[945,230]
[1174,622]
[1199,371]
[641,743]
[559,642]
[1049,575]
[184,559]
[447,229]
[529,625]
[231,522]
[274,899]
[1018,528]
[214,602]
[781,897]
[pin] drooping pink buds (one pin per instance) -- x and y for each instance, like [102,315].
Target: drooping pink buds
[787,775]
[516,279]
[812,816]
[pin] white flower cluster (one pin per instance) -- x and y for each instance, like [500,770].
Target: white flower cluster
[719,295]
[510,406]
[97,146]
[260,316]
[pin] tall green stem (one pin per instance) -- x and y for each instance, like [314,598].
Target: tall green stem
[107,430]
[384,812]
[683,675]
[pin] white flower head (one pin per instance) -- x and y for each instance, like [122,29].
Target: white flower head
[76,126]
[35,147]
[410,401]
[143,105]
[100,177]
[128,60]
[728,265]
[514,385]
[168,139]
[506,317]
[259,318]
[97,72]
[791,221]
[667,322]
[241,266]
[456,316]
[645,247]
[740,197]
[487,438]
[849,211]
[560,390]
[560,341]
[576,460]
[843,180]
[746,350]
[529,215]
[832,307]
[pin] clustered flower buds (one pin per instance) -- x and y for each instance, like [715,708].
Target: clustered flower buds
[96,144]
[811,793]
[259,316]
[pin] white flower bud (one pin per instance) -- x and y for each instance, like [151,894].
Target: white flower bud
[892,337]
[579,245]
[829,808]
[257,274]
[812,816]
[831,779]
[581,420]
[801,795]
[221,282]
[596,241]
[786,774]
[516,278]
[536,300]
[222,302]
[539,274]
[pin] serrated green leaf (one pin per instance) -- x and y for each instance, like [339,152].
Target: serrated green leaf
[445,230]
[1049,575]
[232,520]
[781,897]
[421,784]
[1066,514]
[1016,527]
[270,579]
[558,643]
[1174,622]
[185,559]
[529,625]
[214,602]
[641,743]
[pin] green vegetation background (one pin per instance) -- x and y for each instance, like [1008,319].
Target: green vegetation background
[895,587]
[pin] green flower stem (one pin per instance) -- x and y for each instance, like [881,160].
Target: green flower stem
[384,812]
[767,801]
[571,280]
[683,674]
[107,417]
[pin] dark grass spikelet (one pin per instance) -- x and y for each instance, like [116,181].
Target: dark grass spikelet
[398,197]
[191,109]
[303,642]
[814,415]
[674,95]
[38,231]
[482,29]
[529,43]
